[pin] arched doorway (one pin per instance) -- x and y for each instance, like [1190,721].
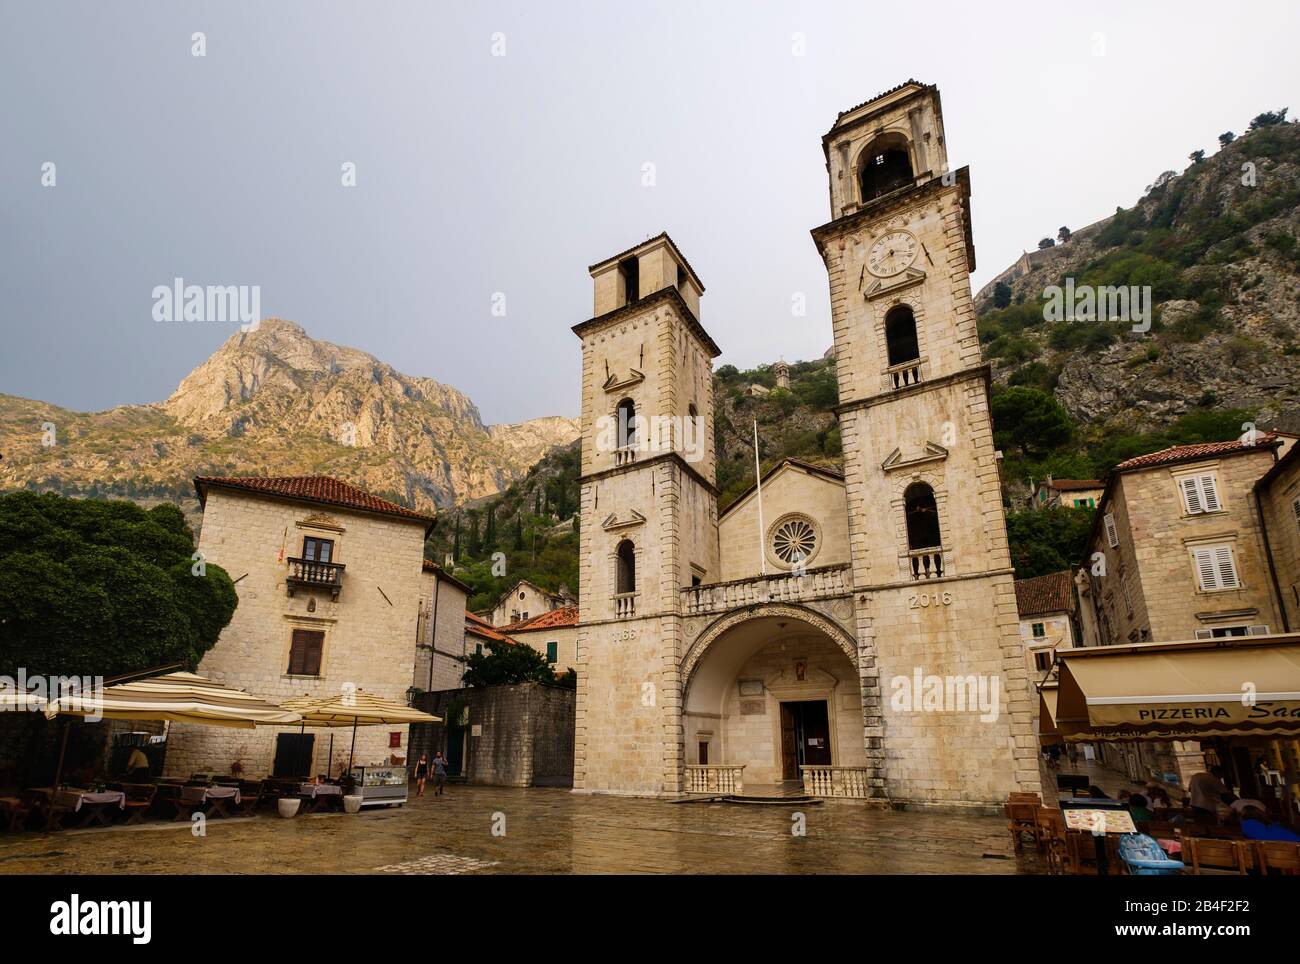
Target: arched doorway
[773,692]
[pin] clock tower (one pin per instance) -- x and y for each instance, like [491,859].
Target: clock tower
[934,591]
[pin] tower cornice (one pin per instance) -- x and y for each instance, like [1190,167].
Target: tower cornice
[899,200]
[582,329]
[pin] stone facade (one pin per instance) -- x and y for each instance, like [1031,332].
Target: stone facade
[512,736]
[525,601]
[1278,493]
[441,646]
[564,639]
[661,660]
[370,628]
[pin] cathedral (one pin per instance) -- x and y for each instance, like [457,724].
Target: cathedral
[858,631]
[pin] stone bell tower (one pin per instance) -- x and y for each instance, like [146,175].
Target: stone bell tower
[649,513]
[934,588]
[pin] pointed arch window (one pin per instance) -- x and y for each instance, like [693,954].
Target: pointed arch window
[627,424]
[922,517]
[900,336]
[886,166]
[626,567]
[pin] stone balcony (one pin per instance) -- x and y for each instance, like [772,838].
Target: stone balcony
[821,583]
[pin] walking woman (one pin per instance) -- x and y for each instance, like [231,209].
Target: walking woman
[421,774]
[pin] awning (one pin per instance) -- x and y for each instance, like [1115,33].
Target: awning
[1240,686]
[175,698]
[1047,732]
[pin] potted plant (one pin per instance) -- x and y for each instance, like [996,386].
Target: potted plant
[237,765]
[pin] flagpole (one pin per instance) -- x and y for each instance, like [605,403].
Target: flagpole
[758,479]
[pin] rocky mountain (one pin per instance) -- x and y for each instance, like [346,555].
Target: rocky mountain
[277,402]
[1217,248]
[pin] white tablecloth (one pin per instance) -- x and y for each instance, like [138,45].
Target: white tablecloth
[314,790]
[75,798]
[201,794]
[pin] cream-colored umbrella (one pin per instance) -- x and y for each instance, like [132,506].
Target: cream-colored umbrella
[174,698]
[355,708]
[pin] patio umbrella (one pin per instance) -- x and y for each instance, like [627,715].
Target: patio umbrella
[175,698]
[355,709]
[170,698]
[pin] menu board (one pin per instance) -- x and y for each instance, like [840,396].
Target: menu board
[1110,821]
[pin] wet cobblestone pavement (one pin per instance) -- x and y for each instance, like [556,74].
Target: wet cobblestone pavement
[547,831]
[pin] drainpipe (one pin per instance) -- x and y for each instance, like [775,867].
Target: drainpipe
[1272,568]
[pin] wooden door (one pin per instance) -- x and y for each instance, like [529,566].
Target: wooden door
[789,744]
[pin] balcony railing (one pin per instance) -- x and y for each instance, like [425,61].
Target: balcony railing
[926,563]
[905,375]
[819,583]
[825,781]
[624,605]
[715,779]
[625,455]
[310,574]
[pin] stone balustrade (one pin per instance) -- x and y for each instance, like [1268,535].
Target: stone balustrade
[624,605]
[926,563]
[820,583]
[827,781]
[714,779]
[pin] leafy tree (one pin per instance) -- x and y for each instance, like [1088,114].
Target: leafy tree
[1226,138]
[505,663]
[1046,243]
[91,588]
[1001,295]
[519,532]
[1029,419]
[1047,540]
[1270,118]
[1196,156]
[455,548]
[490,528]
[1064,235]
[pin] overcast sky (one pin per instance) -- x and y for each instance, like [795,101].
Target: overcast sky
[479,174]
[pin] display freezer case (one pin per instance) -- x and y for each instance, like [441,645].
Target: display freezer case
[380,785]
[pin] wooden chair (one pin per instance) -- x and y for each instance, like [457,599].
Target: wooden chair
[1211,855]
[139,800]
[1022,818]
[1280,855]
[14,812]
[250,795]
[1051,839]
[1081,852]
[1018,796]
[166,799]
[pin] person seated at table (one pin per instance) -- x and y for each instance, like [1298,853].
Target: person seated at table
[1157,798]
[1205,790]
[1255,825]
[1137,807]
[137,766]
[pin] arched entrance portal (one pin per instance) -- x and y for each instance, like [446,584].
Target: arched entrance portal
[773,693]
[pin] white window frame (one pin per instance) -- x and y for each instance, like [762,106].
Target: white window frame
[1250,630]
[1200,493]
[1112,532]
[1210,560]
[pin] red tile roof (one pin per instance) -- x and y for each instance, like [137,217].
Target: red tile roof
[311,488]
[481,627]
[1052,593]
[1074,485]
[1189,453]
[564,616]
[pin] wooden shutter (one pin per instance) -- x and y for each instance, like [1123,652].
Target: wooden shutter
[1112,534]
[1227,568]
[1210,492]
[305,652]
[1205,569]
[1295,507]
[1192,496]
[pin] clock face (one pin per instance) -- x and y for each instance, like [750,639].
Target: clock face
[892,253]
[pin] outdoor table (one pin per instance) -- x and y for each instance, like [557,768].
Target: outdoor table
[1098,817]
[319,794]
[193,798]
[95,802]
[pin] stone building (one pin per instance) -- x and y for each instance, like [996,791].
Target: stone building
[708,643]
[329,584]
[441,639]
[1193,542]
[554,634]
[1047,609]
[524,600]
[1071,493]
